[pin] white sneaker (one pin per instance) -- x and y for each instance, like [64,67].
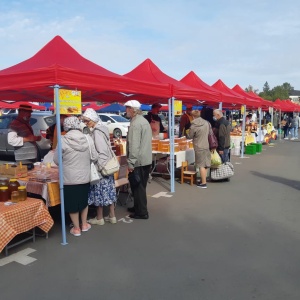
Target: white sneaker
[113,220]
[95,221]
[293,139]
[286,138]
[110,220]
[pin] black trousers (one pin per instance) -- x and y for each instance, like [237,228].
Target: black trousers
[139,190]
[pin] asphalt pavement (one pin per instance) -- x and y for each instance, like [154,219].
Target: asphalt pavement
[235,240]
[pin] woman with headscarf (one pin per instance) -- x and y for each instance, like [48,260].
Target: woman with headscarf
[76,158]
[103,193]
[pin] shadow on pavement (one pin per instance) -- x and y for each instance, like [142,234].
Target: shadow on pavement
[292,183]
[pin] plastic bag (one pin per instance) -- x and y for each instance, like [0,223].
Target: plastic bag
[216,160]
[48,158]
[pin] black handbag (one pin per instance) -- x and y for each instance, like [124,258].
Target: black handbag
[134,178]
[212,140]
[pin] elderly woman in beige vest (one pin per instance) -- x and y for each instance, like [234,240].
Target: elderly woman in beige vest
[199,133]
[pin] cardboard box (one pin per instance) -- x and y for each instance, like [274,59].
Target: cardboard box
[14,171]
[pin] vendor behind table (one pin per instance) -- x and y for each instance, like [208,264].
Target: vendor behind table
[155,121]
[22,138]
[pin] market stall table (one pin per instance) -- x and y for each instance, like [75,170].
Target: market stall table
[48,188]
[179,157]
[21,217]
[237,139]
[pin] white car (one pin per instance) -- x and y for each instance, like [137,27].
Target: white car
[117,125]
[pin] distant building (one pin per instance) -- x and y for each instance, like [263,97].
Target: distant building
[295,96]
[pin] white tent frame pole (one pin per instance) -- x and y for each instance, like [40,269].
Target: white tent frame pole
[280,125]
[260,130]
[172,140]
[243,131]
[60,165]
[272,116]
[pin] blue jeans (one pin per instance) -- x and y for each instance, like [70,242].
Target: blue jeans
[294,131]
[224,156]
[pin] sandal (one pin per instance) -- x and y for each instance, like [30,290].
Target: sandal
[75,232]
[85,228]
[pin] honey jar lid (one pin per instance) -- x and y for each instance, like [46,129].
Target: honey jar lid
[3,188]
[22,187]
[13,179]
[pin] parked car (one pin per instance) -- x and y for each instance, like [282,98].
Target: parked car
[117,125]
[39,127]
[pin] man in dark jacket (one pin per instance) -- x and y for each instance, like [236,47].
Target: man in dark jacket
[222,132]
[185,121]
[154,120]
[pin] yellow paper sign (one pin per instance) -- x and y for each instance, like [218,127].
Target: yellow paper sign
[178,107]
[70,102]
[242,109]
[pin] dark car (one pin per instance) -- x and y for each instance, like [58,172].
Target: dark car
[39,126]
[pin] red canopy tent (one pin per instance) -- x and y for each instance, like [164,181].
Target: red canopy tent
[236,100]
[149,72]
[265,103]
[92,105]
[4,104]
[252,101]
[193,80]
[287,105]
[57,63]
[15,105]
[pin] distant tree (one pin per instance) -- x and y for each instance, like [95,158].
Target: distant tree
[287,87]
[250,88]
[278,92]
[266,88]
[266,93]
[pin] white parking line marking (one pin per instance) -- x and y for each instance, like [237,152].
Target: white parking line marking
[162,194]
[20,257]
[126,221]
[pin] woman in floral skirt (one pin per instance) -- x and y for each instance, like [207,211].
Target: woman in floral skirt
[103,193]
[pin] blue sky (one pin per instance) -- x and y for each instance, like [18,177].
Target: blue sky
[240,42]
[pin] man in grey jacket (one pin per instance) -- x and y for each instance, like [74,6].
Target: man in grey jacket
[139,158]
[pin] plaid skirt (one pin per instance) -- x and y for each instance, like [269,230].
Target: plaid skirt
[202,158]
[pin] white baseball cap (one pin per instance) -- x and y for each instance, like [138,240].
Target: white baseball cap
[133,103]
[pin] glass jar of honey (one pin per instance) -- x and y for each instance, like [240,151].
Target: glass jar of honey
[22,193]
[12,186]
[4,181]
[14,196]
[3,193]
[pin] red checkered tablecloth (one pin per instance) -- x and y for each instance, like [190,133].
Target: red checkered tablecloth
[22,217]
